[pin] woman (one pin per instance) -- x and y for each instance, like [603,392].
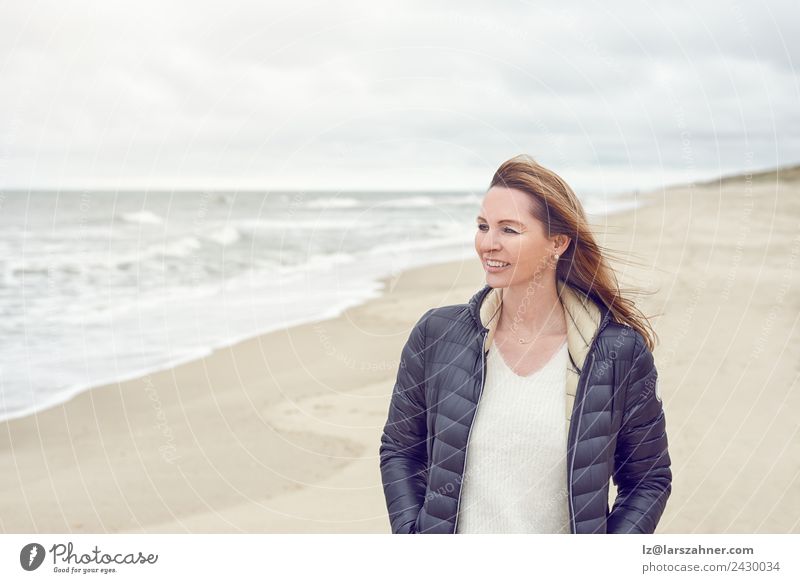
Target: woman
[561,366]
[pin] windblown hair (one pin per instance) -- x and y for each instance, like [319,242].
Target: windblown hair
[584,263]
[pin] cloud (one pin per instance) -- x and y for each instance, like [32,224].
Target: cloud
[403,95]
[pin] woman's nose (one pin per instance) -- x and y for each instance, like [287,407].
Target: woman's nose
[488,242]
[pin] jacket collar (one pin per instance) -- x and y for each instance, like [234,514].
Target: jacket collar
[585,316]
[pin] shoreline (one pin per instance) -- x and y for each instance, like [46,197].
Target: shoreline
[70,393]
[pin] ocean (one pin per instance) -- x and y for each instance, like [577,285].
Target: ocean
[98,287]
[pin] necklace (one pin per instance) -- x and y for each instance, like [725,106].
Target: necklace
[520,340]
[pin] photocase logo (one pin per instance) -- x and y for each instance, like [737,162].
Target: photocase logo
[31,556]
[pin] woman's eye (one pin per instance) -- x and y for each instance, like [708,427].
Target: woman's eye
[507,229]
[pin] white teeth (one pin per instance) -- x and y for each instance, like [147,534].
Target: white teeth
[491,263]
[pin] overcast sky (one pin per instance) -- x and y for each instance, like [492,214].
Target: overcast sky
[418,95]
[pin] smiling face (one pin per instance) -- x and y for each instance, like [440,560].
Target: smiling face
[508,232]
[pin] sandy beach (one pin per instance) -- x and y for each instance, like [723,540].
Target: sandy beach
[280,433]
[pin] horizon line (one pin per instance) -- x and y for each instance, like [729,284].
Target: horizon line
[258,189]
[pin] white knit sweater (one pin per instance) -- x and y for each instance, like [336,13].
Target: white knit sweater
[515,479]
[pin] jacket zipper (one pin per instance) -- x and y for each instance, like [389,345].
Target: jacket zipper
[466,445]
[577,425]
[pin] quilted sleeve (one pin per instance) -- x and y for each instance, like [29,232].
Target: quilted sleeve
[641,460]
[403,449]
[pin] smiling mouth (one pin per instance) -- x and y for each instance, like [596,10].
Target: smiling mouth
[496,264]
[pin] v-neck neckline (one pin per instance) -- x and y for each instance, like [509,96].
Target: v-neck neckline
[534,373]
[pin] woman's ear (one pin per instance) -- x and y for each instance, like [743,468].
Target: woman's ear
[562,243]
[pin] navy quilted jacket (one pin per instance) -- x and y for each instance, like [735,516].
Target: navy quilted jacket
[616,424]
